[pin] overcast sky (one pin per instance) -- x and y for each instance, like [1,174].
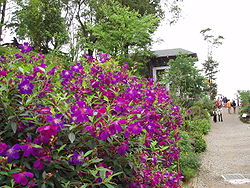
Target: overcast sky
[228,18]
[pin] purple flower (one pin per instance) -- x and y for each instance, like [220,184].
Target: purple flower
[31,184]
[28,149]
[52,71]
[77,158]
[22,177]
[79,116]
[25,48]
[66,74]
[122,149]
[3,148]
[89,58]
[44,111]
[48,130]
[13,153]
[104,58]
[55,120]
[77,67]
[38,164]
[2,58]
[134,128]
[25,87]
[125,66]
[103,135]
[3,73]
[96,69]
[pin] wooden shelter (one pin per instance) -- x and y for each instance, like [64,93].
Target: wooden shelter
[158,63]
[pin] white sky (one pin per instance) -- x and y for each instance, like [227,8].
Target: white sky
[228,18]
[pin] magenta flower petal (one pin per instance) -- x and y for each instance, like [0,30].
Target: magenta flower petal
[38,164]
[25,48]
[3,148]
[22,177]
[29,174]
[25,87]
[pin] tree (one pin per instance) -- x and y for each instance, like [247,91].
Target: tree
[186,83]
[41,22]
[144,7]
[210,66]
[88,12]
[3,4]
[121,31]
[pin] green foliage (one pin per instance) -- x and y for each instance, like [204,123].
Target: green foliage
[245,105]
[185,143]
[202,126]
[199,143]
[190,162]
[186,84]
[41,21]
[198,112]
[205,104]
[196,125]
[121,31]
[144,7]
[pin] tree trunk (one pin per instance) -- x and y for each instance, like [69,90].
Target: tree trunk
[3,9]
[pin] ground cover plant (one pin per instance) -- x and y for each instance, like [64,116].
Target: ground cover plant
[245,106]
[84,124]
[196,124]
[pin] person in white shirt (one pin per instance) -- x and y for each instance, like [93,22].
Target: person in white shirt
[219,113]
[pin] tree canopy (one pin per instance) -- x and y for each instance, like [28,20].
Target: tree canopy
[121,31]
[41,22]
[185,80]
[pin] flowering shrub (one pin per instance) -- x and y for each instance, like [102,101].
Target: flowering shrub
[89,124]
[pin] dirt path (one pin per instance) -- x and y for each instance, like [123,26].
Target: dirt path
[228,152]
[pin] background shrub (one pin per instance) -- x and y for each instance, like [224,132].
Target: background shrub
[190,162]
[201,126]
[245,106]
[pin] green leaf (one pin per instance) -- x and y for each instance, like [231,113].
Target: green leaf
[103,174]
[61,148]
[29,100]
[4,173]
[84,185]
[97,160]
[71,137]
[93,172]
[21,69]
[10,117]
[13,126]
[37,146]
[88,153]
[109,185]
[106,98]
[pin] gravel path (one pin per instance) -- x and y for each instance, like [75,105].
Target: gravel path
[228,152]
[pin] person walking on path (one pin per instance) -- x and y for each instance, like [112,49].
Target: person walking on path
[219,112]
[234,106]
[229,106]
[215,116]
